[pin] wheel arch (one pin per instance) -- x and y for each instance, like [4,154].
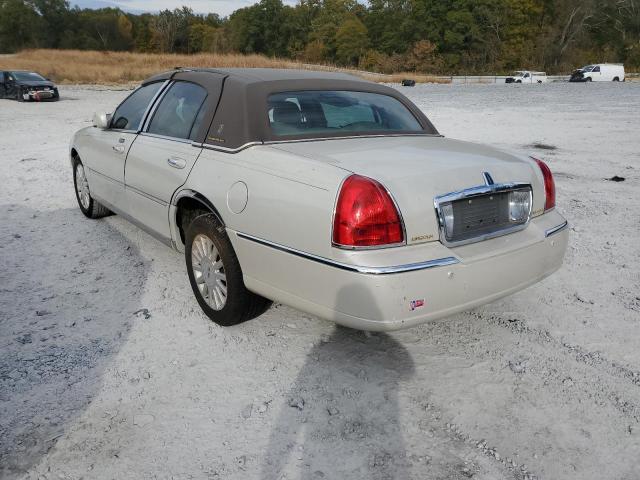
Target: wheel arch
[188,200]
[73,155]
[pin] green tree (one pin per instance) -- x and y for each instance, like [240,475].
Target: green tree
[351,41]
[19,26]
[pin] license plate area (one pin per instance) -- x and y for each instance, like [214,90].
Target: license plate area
[484,212]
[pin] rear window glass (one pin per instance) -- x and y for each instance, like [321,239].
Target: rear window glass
[330,112]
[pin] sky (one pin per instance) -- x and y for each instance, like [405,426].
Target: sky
[221,7]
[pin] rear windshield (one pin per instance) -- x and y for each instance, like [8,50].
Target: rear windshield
[330,112]
[28,77]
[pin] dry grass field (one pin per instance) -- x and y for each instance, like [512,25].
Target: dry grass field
[108,68]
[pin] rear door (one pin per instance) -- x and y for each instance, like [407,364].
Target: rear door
[163,154]
[104,155]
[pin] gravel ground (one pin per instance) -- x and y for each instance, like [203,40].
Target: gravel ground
[109,370]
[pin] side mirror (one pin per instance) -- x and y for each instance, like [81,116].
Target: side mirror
[101,120]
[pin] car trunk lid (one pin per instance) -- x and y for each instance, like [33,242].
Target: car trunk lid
[416,169]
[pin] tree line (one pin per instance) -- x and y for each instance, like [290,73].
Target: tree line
[427,36]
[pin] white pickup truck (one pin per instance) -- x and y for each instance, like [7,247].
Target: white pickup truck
[525,76]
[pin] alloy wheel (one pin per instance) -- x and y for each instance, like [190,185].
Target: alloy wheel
[82,187]
[208,272]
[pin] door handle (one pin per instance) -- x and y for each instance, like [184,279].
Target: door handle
[177,162]
[118,148]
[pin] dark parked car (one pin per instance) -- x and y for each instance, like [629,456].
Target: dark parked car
[27,86]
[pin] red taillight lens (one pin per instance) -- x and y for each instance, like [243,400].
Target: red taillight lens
[365,215]
[549,185]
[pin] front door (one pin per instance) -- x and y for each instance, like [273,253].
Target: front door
[2,85]
[10,87]
[162,156]
[104,157]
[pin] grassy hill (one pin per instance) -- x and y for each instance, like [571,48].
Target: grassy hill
[109,68]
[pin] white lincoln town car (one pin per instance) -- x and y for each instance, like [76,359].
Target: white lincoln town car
[319,190]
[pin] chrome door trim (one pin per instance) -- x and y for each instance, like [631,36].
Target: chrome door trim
[208,146]
[153,105]
[154,101]
[556,229]
[351,137]
[409,267]
[146,195]
[107,177]
[475,192]
[165,137]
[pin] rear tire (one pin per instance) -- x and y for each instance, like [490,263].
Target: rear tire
[88,205]
[215,274]
[616,79]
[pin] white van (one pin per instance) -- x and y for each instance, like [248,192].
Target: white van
[602,72]
[525,76]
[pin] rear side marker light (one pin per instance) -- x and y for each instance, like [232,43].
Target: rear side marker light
[365,215]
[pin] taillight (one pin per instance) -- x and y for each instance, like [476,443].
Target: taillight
[365,215]
[549,185]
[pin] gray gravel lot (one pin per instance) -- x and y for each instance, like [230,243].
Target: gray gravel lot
[108,368]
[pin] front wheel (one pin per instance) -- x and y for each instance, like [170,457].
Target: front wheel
[215,274]
[589,79]
[90,207]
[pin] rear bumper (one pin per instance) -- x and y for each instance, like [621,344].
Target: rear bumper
[380,299]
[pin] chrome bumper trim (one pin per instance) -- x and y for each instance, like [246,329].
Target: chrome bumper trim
[556,229]
[410,267]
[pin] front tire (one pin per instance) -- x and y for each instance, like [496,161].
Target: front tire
[215,274]
[90,207]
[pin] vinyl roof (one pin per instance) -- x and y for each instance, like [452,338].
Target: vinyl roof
[237,102]
[254,75]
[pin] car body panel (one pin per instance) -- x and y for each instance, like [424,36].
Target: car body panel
[289,198]
[104,153]
[155,168]
[417,169]
[384,302]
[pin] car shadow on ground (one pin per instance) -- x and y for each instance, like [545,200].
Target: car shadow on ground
[69,291]
[351,426]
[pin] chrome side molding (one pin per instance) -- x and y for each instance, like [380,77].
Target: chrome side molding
[410,267]
[556,229]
